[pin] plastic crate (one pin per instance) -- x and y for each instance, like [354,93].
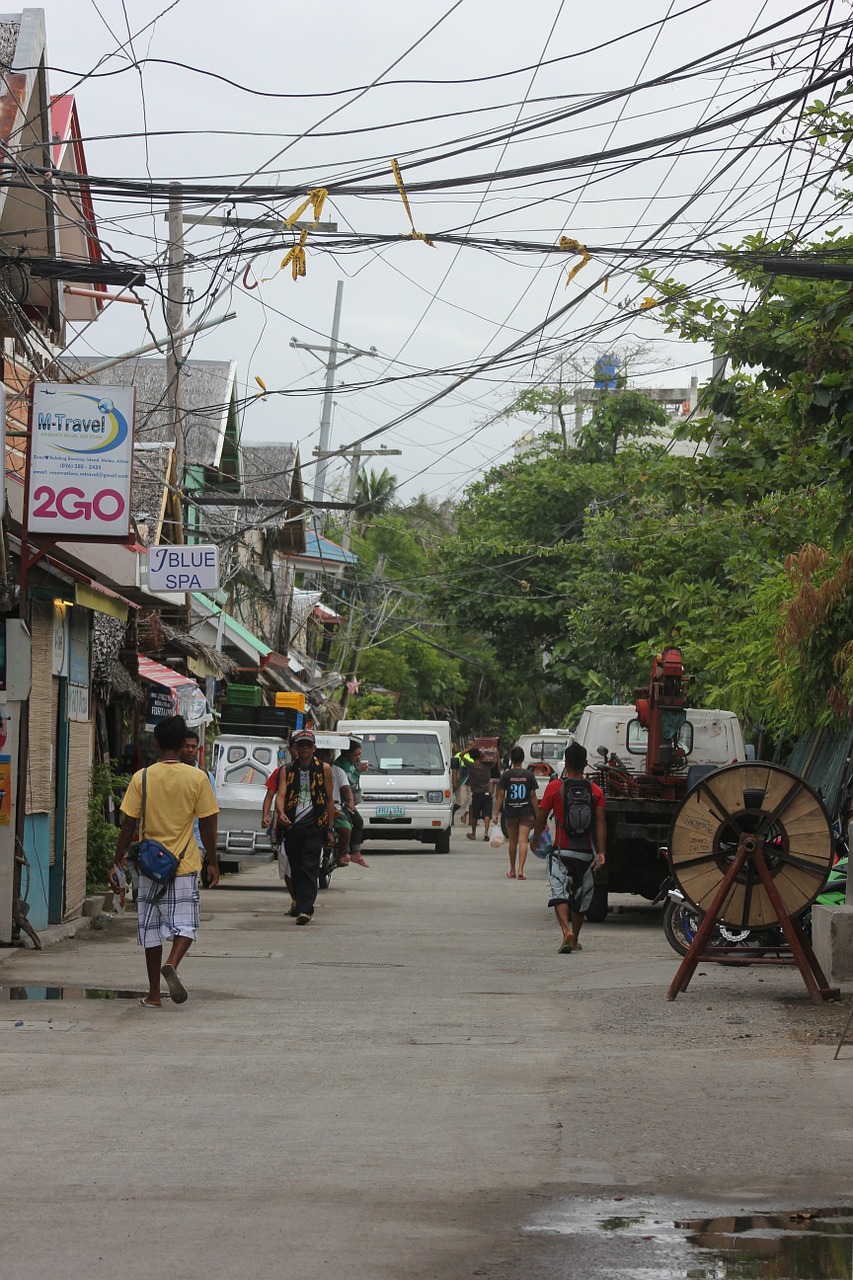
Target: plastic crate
[296,701]
[244,695]
[285,716]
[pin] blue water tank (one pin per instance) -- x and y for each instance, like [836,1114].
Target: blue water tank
[605,373]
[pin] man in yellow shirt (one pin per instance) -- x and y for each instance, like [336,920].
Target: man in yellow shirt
[175,795]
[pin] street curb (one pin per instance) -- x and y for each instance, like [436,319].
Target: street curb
[49,937]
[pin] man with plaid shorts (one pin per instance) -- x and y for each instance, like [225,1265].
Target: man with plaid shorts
[175,796]
[577,853]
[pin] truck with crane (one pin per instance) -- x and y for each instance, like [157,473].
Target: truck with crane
[645,757]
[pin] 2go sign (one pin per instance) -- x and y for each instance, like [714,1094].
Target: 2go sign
[80,461]
[72,504]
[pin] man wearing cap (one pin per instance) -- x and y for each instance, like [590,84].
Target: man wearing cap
[305,809]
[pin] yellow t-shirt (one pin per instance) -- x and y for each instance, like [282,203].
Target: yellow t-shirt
[175,795]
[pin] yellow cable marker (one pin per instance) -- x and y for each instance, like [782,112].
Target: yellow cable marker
[398,178]
[261,384]
[606,283]
[574,246]
[296,256]
[647,303]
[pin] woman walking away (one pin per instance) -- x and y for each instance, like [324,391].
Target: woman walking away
[517,799]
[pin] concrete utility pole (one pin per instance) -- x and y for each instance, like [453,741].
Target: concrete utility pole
[174,325]
[332,366]
[357,456]
[361,639]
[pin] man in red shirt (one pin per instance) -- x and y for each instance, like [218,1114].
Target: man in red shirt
[579,843]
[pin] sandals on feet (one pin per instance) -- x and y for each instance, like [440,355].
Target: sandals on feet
[177,990]
[510,875]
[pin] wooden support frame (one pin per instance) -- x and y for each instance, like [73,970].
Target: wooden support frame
[750,849]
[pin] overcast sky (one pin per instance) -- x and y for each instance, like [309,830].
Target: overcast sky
[435,308]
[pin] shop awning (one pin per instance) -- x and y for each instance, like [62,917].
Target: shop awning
[187,699]
[156,673]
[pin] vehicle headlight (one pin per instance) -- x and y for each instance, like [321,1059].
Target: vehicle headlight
[435,797]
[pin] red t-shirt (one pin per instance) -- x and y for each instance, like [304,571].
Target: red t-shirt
[552,801]
[272,780]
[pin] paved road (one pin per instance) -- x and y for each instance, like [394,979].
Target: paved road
[415,1085]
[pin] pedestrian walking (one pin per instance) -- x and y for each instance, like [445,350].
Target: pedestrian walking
[164,801]
[579,843]
[269,823]
[480,783]
[189,755]
[516,798]
[305,808]
[459,777]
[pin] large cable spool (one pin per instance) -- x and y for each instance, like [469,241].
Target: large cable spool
[763,805]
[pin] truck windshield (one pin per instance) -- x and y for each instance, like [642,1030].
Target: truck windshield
[544,749]
[402,753]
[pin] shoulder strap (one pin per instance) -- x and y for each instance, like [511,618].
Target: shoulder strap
[142,815]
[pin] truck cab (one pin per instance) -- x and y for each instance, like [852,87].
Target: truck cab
[406,790]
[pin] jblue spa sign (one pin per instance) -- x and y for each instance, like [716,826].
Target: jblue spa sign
[81,460]
[191,568]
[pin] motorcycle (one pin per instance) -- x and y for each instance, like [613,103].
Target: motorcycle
[681,919]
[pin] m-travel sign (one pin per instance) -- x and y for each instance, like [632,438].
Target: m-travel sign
[81,460]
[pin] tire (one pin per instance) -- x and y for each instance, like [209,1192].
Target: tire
[442,844]
[680,922]
[598,908]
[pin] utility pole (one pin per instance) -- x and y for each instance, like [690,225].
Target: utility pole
[361,639]
[332,365]
[357,455]
[174,325]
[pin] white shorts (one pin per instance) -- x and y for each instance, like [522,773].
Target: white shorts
[174,916]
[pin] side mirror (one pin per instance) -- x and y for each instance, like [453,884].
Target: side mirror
[601,751]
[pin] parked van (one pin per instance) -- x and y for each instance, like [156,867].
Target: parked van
[240,766]
[406,791]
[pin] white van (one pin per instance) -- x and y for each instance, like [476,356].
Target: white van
[543,753]
[240,766]
[706,737]
[406,790]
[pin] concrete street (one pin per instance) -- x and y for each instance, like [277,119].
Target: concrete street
[415,1085]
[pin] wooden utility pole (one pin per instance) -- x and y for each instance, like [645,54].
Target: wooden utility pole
[363,629]
[174,325]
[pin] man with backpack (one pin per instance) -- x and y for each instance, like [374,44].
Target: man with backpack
[517,798]
[579,843]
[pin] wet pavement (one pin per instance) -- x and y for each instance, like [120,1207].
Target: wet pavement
[643,1240]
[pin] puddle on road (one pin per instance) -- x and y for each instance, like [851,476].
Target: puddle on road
[67,993]
[632,1240]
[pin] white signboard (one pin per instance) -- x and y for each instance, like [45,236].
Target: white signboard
[194,568]
[61,638]
[81,458]
[77,703]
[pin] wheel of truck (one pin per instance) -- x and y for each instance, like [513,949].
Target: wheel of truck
[598,908]
[324,879]
[442,844]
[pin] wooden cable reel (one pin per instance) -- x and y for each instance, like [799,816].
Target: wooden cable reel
[751,845]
